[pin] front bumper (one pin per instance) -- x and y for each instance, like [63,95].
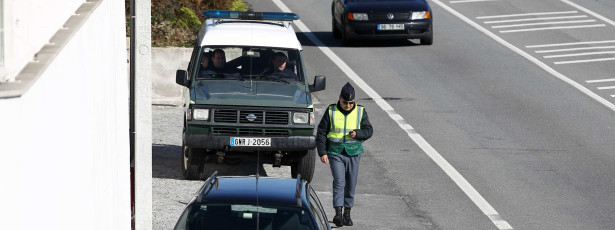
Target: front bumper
[222,142]
[369,30]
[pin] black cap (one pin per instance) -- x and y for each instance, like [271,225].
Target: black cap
[347,92]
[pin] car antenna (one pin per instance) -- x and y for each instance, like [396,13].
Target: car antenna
[258,155]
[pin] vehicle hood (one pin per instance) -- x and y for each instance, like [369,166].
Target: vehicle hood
[387,6]
[250,93]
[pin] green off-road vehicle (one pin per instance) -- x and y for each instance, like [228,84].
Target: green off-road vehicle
[253,104]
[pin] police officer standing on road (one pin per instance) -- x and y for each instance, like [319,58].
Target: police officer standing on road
[341,131]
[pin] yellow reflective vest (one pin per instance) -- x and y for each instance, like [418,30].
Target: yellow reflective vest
[341,125]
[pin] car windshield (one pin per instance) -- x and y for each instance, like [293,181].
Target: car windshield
[250,63]
[225,216]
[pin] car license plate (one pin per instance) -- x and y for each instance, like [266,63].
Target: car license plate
[247,141]
[390,26]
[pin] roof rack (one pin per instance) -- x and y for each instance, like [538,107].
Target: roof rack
[250,15]
[207,186]
[298,191]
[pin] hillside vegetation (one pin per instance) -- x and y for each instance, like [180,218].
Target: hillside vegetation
[176,22]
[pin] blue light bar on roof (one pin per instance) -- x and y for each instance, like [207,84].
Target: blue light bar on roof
[250,15]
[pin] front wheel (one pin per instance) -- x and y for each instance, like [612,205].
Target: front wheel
[304,165]
[336,31]
[192,164]
[429,39]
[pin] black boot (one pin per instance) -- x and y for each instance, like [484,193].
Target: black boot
[338,220]
[347,220]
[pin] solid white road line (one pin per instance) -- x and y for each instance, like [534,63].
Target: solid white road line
[584,61]
[469,1]
[606,87]
[579,54]
[527,14]
[590,12]
[543,23]
[574,49]
[553,28]
[570,44]
[465,186]
[535,19]
[601,80]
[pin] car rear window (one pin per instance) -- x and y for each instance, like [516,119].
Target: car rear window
[240,216]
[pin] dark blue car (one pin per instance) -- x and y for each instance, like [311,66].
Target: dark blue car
[242,202]
[382,19]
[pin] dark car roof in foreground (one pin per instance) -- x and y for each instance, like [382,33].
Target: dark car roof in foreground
[243,190]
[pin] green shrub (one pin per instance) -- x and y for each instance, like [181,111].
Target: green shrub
[186,18]
[176,22]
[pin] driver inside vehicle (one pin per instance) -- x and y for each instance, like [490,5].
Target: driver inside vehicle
[217,65]
[278,67]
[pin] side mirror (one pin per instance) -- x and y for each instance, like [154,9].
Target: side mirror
[181,78]
[319,83]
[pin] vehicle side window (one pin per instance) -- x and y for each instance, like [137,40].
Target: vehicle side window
[317,210]
[195,52]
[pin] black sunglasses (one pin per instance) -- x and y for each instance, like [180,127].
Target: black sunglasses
[348,102]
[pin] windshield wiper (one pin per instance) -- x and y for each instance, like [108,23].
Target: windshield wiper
[220,76]
[275,78]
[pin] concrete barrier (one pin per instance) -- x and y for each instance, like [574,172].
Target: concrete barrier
[165,62]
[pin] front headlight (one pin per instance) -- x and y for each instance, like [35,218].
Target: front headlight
[200,114]
[301,118]
[420,15]
[358,17]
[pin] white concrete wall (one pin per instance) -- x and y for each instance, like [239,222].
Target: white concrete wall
[28,26]
[165,62]
[65,143]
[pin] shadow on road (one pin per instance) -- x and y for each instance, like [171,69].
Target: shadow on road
[166,163]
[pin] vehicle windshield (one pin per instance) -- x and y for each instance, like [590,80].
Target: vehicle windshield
[250,63]
[225,216]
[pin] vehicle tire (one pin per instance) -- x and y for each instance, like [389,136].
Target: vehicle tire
[429,39]
[336,31]
[346,39]
[192,164]
[304,164]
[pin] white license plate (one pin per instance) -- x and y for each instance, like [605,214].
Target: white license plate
[390,26]
[247,141]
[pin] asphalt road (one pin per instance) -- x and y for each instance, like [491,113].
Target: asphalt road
[517,121]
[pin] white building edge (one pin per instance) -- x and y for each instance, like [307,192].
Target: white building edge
[64,115]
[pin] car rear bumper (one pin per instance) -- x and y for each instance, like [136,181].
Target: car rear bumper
[223,142]
[369,30]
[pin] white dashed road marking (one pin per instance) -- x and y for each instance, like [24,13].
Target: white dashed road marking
[470,1]
[570,44]
[601,80]
[553,28]
[543,23]
[534,19]
[526,14]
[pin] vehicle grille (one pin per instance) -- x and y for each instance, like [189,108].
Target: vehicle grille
[244,114]
[396,16]
[228,116]
[262,117]
[250,131]
[278,118]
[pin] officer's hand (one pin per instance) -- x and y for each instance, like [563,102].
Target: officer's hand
[352,134]
[324,159]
